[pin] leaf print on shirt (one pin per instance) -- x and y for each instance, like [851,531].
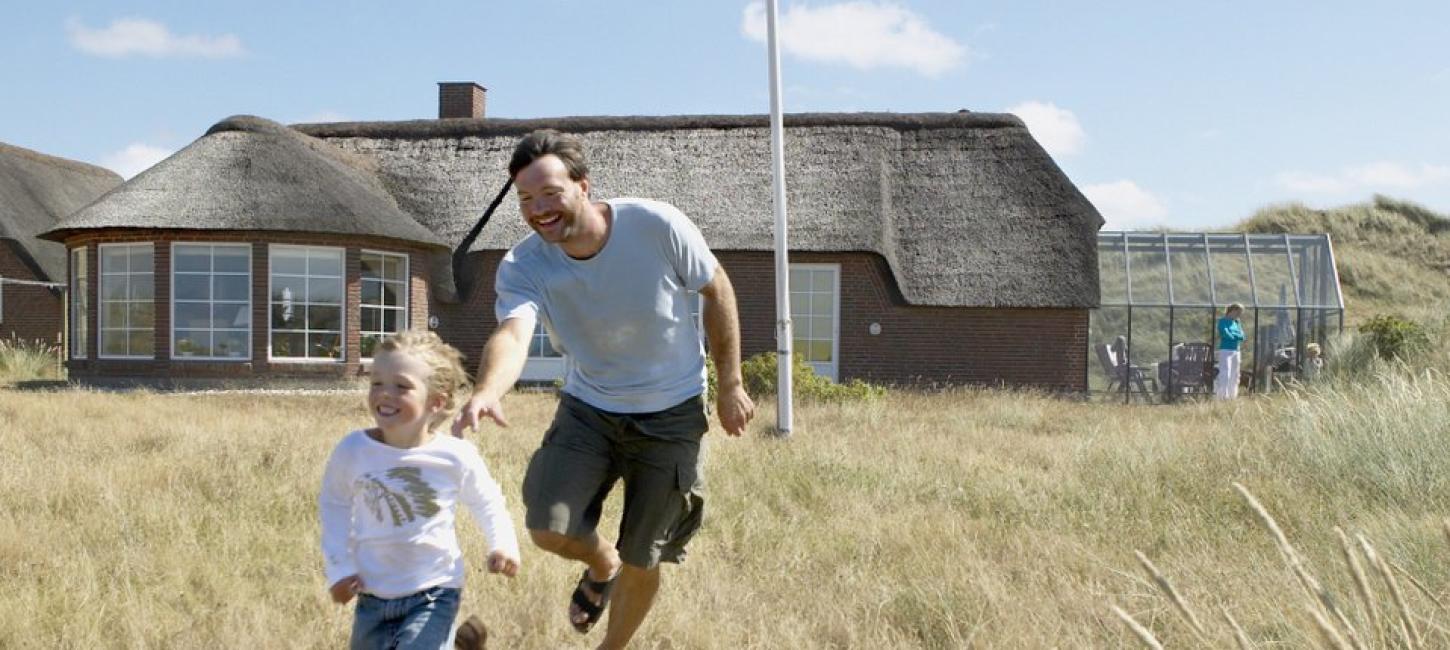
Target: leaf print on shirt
[412,499]
[425,498]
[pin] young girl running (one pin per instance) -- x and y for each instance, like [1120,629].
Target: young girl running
[389,495]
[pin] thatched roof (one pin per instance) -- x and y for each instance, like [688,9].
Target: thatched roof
[37,190]
[248,173]
[967,208]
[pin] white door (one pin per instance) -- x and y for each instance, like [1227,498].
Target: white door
[815,291]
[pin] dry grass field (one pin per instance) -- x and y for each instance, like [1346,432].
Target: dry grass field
[963,519]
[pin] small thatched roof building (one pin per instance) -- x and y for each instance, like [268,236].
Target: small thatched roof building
[928,247]
[37,190]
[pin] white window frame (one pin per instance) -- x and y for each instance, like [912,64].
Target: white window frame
[405,294]
[80,283]
[829,370]
[342,307]
[101,301]
[212,274]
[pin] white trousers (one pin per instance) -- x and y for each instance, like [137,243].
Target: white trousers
[1226,385]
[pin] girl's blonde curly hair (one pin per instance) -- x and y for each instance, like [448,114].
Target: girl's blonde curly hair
[445,363]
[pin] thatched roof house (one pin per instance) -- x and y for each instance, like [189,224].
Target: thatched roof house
[967,209]
[36,190]
[931,247]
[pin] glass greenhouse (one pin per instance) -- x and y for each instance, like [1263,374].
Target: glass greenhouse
[1154,336]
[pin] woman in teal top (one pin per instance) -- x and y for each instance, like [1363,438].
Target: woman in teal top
[1230,335]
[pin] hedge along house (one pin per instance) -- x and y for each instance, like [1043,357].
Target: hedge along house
[37,190]
[255,252]
[926,248]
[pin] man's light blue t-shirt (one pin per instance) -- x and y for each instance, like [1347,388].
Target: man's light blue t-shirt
[621,317]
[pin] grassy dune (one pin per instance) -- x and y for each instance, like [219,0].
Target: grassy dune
[986,519]
[1393,256]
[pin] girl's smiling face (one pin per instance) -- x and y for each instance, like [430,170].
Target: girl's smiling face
[399,399]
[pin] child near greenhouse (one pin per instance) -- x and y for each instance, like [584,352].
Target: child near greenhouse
[1313,362]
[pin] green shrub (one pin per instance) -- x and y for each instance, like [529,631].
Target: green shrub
[760,371]
[1394,337]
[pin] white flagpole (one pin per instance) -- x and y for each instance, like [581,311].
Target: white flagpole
[782,247]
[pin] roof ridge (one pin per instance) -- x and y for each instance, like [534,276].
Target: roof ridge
[56,161]
[462,127]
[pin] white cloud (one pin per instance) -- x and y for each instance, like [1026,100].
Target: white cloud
[1372,177]
[128,36]
[1057,129]
[134,159]
[1398,176]
[863,34]
[1124,205]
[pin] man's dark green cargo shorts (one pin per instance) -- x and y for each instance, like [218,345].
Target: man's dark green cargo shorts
[586,450]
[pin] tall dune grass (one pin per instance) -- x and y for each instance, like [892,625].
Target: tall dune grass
[22,360]
[963,519]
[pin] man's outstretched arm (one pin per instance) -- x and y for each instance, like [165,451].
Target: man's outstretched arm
[722,327]
[502,363]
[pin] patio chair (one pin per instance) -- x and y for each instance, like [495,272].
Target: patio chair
[1190,370]
[1121,373]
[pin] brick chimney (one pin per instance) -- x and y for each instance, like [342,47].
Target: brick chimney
[460,99]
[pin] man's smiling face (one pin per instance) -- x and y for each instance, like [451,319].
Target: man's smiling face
[551,202]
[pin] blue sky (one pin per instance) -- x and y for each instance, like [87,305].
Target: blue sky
[1182,114]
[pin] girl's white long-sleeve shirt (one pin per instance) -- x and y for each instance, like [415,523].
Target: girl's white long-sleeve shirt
[388,513]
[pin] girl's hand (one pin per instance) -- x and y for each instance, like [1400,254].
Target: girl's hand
[500,562]
[345,589]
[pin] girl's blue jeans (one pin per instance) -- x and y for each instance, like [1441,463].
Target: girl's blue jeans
[417,621]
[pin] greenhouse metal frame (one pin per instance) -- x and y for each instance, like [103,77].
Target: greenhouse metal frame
[1162,293]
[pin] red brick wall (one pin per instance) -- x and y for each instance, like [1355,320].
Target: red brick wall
[258,366]
[918,346]
[28,312]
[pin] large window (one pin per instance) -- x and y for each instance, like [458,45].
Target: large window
[384,308]
[306,303]
[128,317]
[211,309]
[79,298]
[814,292]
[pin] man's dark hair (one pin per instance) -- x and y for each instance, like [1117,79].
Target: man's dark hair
[544,142]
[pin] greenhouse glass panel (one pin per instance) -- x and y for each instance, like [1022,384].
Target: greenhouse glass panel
[1274,282]
[1228,261]
[1188,260]
[1112,275]
[1147,270]
[1314,264]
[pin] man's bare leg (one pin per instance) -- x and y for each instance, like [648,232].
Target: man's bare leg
[634,595]
[591,549]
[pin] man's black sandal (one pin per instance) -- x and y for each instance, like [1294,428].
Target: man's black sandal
[593,611]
